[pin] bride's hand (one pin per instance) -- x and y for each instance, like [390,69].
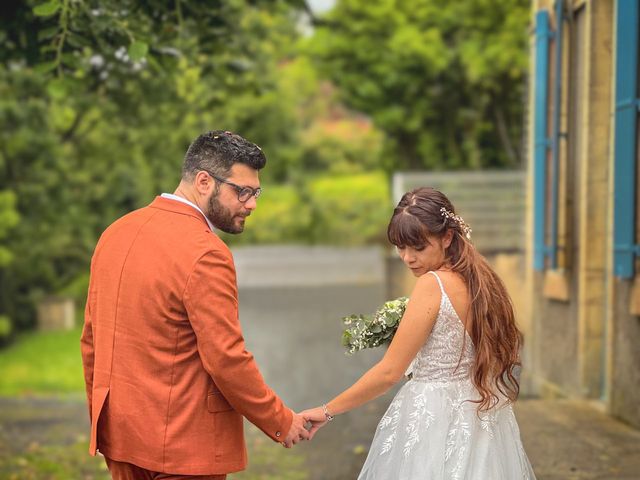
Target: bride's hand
[316,417]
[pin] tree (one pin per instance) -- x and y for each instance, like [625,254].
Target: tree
[98,101]
[444,80]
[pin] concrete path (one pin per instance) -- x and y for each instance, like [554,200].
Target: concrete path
[565,440]
[572,440]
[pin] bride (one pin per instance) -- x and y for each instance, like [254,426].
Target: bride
[454,418]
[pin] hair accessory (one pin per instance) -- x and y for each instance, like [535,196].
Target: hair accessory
[466,229]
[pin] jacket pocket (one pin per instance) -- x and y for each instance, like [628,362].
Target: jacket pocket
[217,403]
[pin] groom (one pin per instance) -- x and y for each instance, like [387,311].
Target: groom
[167,374]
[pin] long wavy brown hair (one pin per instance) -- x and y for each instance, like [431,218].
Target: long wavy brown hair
[490,321]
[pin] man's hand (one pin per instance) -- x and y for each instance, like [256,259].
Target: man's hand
[316,417]
[297,432]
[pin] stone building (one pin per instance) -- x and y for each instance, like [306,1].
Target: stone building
[582,267]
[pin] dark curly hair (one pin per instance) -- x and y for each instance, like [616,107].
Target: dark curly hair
[217,151]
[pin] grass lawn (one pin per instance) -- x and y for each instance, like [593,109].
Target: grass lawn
[267,461]
[53,462]
[42,363]
[270,461]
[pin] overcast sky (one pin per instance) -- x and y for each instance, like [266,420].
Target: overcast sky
[321,5]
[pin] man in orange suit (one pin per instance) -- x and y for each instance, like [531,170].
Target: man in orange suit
[167,374]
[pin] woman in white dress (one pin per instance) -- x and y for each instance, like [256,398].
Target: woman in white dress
[454,418]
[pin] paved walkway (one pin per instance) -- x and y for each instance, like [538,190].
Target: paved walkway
[572,440]
[565,440]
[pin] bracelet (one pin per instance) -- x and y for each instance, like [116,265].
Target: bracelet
[327,415]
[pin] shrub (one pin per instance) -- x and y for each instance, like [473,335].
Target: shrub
[349,209]
[281,217]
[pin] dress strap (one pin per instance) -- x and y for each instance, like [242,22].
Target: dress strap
[439,281]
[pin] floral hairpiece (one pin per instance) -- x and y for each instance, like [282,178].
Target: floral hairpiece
[466,229]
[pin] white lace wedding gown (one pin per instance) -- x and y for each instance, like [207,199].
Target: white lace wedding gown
[431,432]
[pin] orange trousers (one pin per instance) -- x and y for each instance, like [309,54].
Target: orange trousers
[129,471]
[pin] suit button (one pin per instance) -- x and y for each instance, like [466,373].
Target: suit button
[278,434]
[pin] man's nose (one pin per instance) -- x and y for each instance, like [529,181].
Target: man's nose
[252,203]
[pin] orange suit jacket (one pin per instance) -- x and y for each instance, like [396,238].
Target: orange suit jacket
[167,374]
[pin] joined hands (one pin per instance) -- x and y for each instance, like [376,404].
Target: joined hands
[304,426]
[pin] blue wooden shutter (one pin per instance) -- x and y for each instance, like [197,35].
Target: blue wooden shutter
[541,142]
[626,117]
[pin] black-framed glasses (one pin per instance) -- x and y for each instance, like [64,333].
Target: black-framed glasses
[244,193]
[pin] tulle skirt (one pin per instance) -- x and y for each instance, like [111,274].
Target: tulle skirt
[432,431]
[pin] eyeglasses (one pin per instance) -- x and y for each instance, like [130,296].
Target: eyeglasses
[244,193]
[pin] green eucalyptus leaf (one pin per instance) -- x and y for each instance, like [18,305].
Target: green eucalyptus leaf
[390,321]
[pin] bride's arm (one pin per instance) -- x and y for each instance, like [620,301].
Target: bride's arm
[414,328]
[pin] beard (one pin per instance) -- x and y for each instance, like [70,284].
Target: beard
[222,218]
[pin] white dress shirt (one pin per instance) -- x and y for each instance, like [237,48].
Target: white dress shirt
[171,196]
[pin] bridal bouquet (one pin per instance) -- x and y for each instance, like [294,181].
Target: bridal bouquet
[365,331]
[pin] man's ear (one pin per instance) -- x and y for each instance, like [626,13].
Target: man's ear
[203,182]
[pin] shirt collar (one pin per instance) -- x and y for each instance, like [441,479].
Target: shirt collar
[171,196]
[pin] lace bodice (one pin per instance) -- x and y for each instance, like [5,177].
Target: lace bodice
[440,360]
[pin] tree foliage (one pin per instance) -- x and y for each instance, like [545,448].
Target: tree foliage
[98,101]
[444,80]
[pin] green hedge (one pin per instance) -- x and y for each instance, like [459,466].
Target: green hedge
[329,209]
[281,217]
[350,209]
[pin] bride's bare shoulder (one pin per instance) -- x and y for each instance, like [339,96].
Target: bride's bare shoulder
[452,280]
[456,288]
